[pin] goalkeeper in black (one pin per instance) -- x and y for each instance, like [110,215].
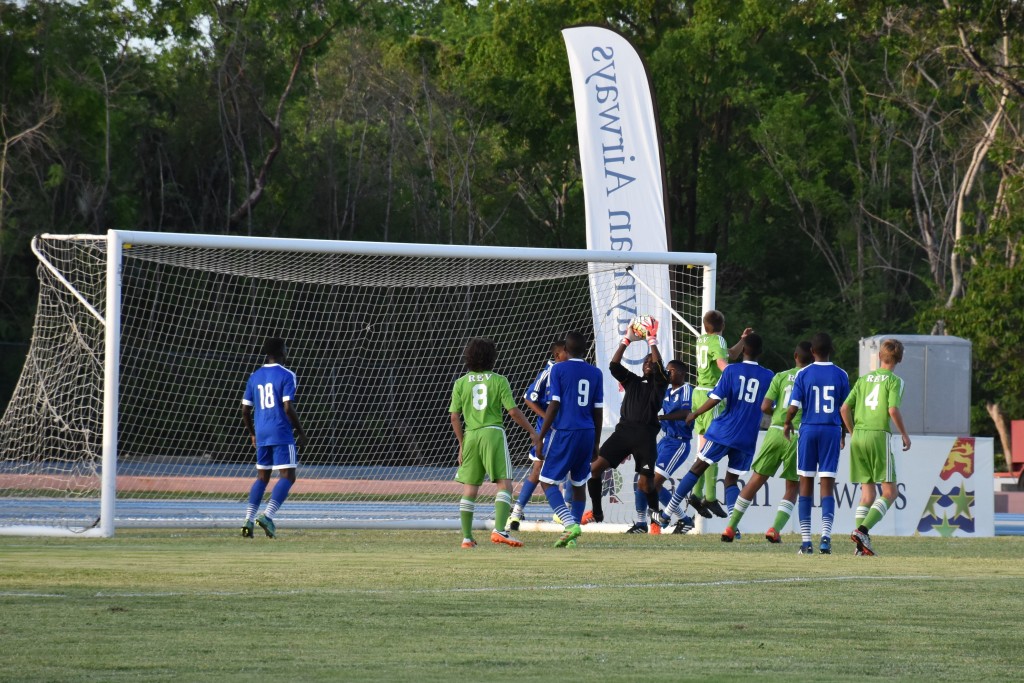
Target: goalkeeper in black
[636,434]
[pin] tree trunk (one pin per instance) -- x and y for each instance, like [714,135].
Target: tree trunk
[1002,423]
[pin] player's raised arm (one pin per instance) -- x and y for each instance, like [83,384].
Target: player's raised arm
[736,350]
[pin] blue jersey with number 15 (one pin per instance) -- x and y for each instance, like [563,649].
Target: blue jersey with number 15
[266,391]
[819,391]
[579,388]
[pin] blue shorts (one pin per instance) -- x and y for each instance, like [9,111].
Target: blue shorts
[672,453]
[568,454]
[817,450]
[739,462]
[547,438]
[276,457]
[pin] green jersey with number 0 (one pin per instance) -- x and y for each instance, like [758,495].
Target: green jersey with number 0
[872,397]
[779,391]
[480,398]
[710,347]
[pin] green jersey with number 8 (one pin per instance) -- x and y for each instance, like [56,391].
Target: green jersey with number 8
[872,397]
[480,397]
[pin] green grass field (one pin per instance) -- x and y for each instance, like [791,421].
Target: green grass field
[201,605]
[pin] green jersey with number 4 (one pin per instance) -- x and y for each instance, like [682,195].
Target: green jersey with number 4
[710,347]
[872,397]
[480,397]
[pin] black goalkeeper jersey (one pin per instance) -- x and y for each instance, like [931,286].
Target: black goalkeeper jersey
[642,396]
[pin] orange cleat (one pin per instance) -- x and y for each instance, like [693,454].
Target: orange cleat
[504,537]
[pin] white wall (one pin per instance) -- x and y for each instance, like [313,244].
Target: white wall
[945,490]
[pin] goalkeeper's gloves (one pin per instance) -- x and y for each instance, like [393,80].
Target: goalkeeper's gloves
[652,332]
[629,336]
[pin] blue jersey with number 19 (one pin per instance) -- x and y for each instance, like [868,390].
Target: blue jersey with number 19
[743,387]
[266,391]
[579,388]
[818,391]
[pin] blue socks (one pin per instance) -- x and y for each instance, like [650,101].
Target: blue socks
[526,493]
[259,487]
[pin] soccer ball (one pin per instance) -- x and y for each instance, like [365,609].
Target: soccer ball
[640,325]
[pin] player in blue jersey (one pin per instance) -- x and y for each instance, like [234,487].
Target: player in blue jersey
[536,400]
[776,451]
[674,445]
[819,391]
[732,435]
[574,417]
[270,418]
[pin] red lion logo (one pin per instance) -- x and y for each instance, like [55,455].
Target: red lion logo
[960,459]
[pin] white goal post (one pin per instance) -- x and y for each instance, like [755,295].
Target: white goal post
[127,412]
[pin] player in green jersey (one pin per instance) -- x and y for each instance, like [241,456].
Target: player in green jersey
[478,398]
[866,413]
[776,451]
[712,358]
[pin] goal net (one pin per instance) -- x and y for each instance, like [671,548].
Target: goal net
[128,410]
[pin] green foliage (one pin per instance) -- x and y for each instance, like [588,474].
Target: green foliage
[991,315]
[818,147]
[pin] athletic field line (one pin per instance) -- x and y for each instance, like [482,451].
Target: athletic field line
[502,589]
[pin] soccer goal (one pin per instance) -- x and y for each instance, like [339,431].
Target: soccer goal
[127,412]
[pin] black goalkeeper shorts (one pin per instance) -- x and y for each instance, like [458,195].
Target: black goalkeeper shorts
[640,441]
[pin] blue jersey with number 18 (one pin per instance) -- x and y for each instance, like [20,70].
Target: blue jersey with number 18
[266,391]
[579,388]
[743,387]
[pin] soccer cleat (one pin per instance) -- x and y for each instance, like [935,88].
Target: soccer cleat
[715,508]
[728,535]
[468,543]
[556,519]
[637,528]
[247,529]
[698,505]
[505,538]
[513,523]
[570,536]
[590,518]
[825,547]
[268,526]
[863,542]
[659,519]
[773,536]
[738,535]
[684,526]
[655,529]
[805,549]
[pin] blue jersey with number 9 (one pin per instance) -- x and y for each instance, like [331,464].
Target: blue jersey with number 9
[266,391]
[579,388]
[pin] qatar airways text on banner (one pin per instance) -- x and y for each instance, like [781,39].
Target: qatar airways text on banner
[623,188]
